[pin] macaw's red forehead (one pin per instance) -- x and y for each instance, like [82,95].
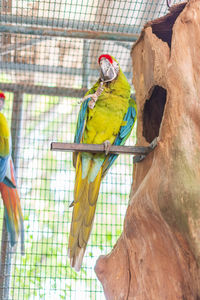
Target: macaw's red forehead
[106,56]
[2,95]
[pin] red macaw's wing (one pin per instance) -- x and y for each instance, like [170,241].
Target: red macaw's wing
[13,214]
[6,165]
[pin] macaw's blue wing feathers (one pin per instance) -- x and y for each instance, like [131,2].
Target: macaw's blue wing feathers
[9,183]
[81,121]
[9,178]
[80,126]
[3,167]
[124,133]
[95,168]
[129,118]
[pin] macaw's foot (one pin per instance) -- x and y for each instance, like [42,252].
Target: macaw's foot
[91,104]
[107,146]
[93,100]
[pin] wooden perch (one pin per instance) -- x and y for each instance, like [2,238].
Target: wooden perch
[157,256]
[134,150]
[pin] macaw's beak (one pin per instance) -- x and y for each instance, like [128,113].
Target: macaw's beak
[107,70]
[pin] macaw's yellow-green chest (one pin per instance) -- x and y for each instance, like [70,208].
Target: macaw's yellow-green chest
[105,119]
[4,136]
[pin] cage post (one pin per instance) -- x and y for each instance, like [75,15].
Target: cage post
[5,263]
[6,38]
[6,254]
[17,112]
[85,61]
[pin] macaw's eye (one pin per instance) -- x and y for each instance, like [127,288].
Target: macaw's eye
[104,62]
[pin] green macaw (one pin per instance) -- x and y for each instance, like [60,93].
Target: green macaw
[107,115]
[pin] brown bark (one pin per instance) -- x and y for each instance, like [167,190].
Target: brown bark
[158,254]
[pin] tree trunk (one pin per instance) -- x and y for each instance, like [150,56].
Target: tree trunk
[157,256]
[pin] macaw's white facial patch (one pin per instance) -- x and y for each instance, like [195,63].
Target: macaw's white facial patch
[1,103]
[108,71]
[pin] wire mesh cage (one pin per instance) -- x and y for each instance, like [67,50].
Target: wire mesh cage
[48,60]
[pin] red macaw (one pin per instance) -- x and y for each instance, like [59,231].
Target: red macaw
[9,193]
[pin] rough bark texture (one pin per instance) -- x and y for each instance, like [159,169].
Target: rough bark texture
[158,254]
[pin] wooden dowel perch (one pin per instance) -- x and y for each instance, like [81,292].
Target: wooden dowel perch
[131,150]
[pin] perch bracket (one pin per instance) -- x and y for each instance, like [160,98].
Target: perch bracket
[151,147]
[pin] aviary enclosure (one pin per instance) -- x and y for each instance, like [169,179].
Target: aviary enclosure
[48,60]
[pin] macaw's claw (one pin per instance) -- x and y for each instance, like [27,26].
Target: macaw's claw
[138,158]
[107,146]
[91,104]
[169,3]
[71,204]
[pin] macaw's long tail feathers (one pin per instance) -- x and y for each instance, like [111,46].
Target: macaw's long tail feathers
[13,214]
[85,198]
